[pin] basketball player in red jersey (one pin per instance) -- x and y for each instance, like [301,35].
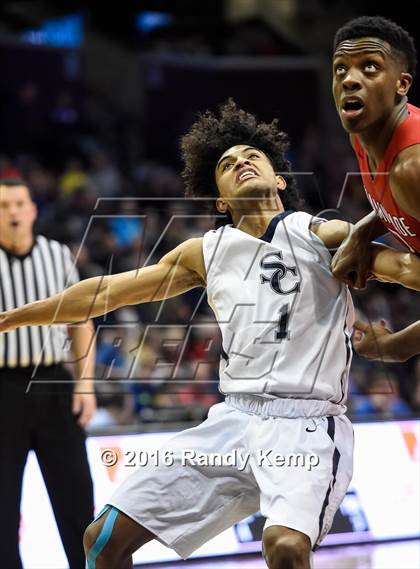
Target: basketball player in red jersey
[373,68]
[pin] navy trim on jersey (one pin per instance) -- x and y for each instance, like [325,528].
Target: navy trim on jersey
[331,427]
[269,232]
[225,356]
[335,461]
[344,375]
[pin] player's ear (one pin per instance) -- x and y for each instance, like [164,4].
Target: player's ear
[281,182]
[221,205]
[404,83]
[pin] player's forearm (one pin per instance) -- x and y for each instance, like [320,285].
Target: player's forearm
[100,295]
[402,345]
[368,228]
[389,265]
[78,303]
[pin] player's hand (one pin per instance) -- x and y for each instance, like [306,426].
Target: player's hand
[84,405]
[374,341]
[5,323]
[352,261]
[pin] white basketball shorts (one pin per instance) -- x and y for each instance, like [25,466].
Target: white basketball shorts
[241,459]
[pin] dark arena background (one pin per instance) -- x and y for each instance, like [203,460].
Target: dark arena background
[94,99]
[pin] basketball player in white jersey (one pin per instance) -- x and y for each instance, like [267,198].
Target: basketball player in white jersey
[286,324]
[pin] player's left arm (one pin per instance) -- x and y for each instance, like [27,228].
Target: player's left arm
[332,233]
[386,264]
[405,180]
[392,266]
[376,342]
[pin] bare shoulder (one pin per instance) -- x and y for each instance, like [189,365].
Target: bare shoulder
[407,163]
[188,255]
[404,180]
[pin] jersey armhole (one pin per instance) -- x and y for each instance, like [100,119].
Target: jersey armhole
[210,243]
[318,221]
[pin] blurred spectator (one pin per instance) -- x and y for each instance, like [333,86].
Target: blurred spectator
[126,227]
[7,168]
[104,176]
[416,388]
[74,178]
[383,398]
[64,112]
[87,268]
[26,122]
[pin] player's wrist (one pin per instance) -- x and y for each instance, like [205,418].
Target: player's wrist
[361,233]
[394,348]
[84,386]
[369,228]
[406,342]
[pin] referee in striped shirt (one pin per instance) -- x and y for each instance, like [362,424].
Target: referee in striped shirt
[50,417]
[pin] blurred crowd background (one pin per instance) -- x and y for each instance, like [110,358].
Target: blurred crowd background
[93,103]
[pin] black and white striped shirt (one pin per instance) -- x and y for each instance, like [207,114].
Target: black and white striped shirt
[45,270]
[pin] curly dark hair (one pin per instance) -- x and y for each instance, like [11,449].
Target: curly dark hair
[211,135]
[378,27]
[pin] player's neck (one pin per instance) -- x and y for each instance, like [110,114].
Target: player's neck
[255,216]
[376,139]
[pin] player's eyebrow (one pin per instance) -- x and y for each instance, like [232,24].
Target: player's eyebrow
[230,155]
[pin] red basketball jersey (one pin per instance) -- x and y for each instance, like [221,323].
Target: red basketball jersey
[404,226]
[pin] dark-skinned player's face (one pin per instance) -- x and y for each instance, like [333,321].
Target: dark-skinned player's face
[244,171]
[368,81]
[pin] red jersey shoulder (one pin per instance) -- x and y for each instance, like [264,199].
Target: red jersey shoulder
[377,186]
[405,135]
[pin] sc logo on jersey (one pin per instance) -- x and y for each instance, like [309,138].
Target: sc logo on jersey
[280,272]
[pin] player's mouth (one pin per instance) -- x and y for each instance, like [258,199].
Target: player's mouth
[14,223]
[352,107]
[245,174]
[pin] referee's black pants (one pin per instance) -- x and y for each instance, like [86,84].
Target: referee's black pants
[42,420]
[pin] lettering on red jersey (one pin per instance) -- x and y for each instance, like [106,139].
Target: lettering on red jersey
[399,223]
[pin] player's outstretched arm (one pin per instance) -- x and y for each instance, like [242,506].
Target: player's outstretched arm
[376,342]
[392,266]
[385,264]
[177,272]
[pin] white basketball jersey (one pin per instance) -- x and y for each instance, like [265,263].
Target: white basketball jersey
[285,320]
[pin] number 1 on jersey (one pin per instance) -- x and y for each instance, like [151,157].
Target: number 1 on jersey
[281,332]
